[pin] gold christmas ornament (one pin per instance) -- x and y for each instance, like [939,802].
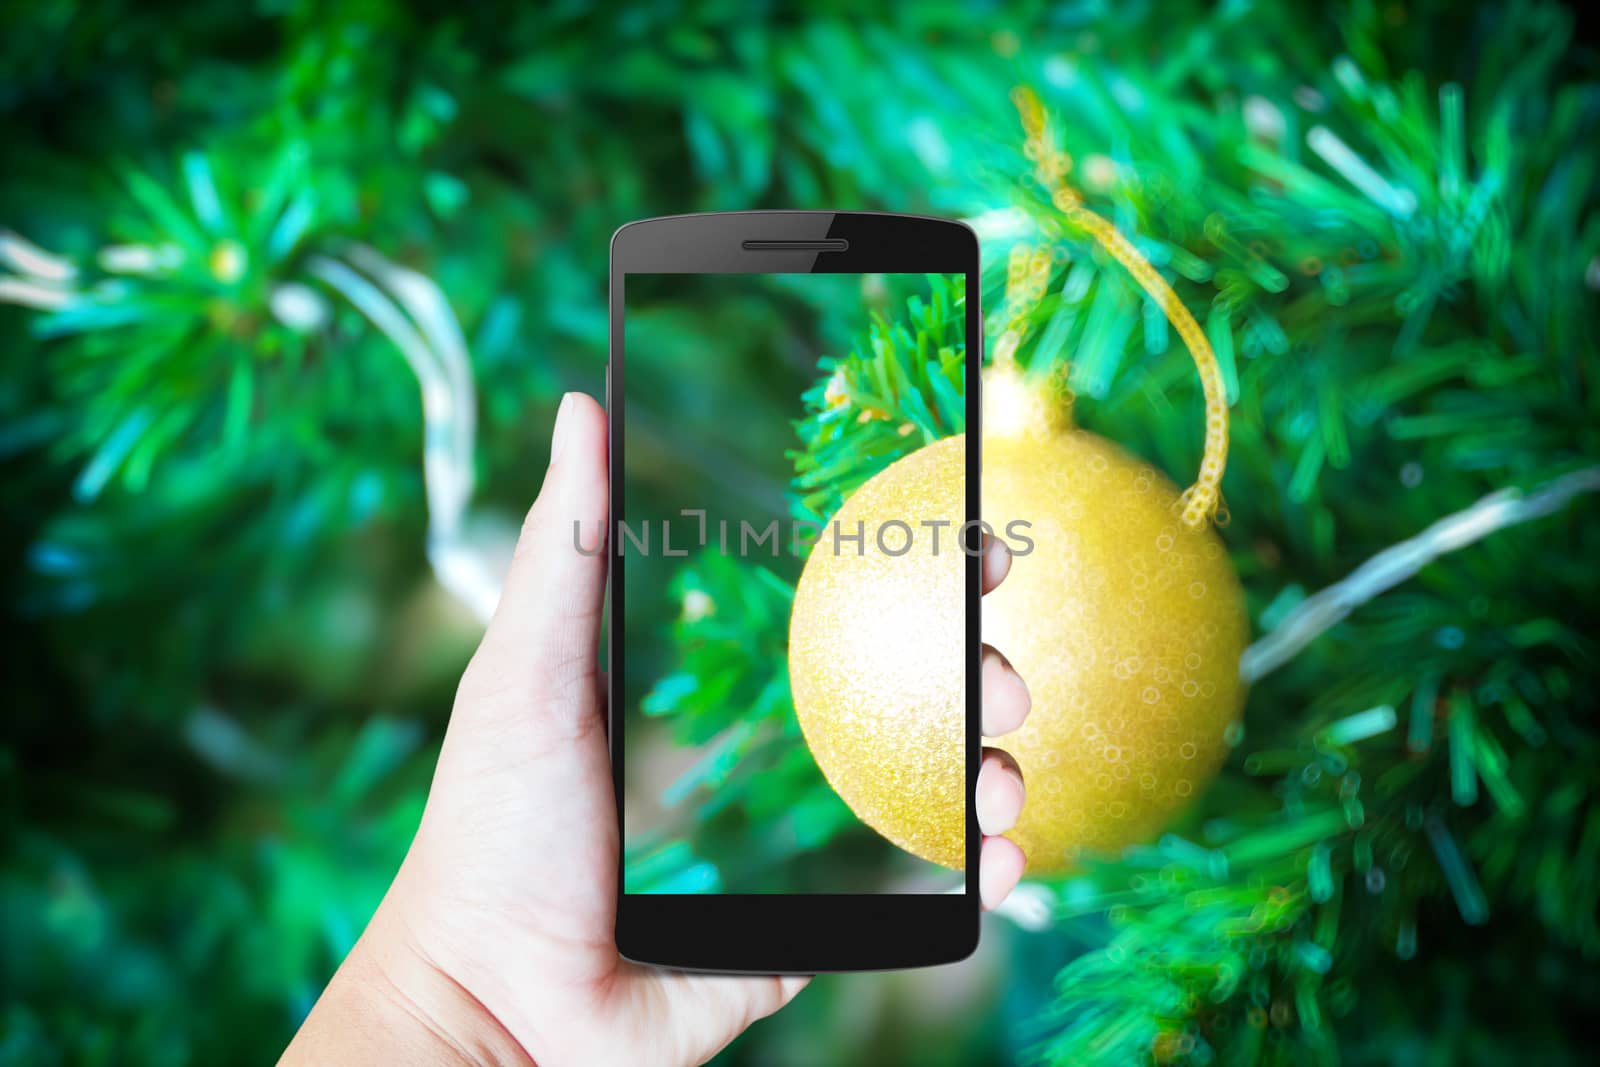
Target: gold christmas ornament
[1125,622]
[875,653]
[1125,616]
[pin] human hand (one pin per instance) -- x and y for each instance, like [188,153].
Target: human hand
[494,943]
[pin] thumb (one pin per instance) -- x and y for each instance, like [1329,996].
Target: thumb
[542,643]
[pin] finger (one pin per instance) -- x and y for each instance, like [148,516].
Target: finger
[1000,866]
[544,636]
[1001,792]
[996,562]
[1006,700]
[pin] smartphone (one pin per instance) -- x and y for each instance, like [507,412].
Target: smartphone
[751,842]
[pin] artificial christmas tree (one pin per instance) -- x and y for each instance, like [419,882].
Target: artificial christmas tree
[230,658]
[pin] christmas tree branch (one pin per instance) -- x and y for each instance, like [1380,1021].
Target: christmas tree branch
[1325,609]
[430,341]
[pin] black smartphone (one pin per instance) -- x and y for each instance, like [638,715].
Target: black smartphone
[795,739]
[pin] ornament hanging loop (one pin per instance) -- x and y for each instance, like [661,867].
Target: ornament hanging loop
[1199,503]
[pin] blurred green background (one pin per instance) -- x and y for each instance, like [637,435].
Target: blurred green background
[244,249]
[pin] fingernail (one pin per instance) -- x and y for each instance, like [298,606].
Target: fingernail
[558,439]
[1006,700]
[1000,798]
[996,563]
[1004,864]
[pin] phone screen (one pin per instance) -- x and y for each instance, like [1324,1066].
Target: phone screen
[769,419]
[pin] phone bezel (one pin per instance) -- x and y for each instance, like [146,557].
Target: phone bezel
[775,933]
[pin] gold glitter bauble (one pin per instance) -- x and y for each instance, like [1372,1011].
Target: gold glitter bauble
[1125,623]
[875,653]
[1127,626]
